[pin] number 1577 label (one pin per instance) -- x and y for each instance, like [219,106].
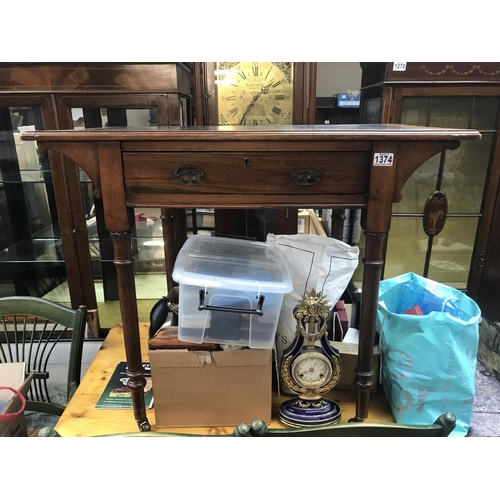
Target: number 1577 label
[383,159]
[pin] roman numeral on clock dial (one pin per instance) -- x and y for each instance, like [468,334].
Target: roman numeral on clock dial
[260,94]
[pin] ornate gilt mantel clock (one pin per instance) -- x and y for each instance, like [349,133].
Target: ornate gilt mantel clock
[310,366]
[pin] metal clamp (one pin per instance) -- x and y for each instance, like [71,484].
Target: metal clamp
[258,311]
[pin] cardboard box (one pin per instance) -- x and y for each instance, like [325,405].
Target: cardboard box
[13,375]
[349,360]
[310,223]
[316,224]
[303,222]
[203,388]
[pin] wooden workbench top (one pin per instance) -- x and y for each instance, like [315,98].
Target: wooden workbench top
[82,419]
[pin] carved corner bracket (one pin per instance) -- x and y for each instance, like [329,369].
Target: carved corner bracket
[84,157]
[413,155]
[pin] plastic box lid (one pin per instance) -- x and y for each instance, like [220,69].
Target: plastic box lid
[232,263]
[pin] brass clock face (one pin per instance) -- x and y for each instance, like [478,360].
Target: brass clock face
[254,93]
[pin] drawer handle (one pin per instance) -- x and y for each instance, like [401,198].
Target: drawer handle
[306,176]
[189,175]
[258,311]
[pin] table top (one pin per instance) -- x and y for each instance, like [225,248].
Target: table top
[357,132]
[82,419]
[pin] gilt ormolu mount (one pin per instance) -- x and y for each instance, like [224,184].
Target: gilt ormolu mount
[311,366]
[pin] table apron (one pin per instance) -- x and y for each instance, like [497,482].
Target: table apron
[168,178]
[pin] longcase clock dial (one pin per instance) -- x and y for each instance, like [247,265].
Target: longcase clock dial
[254,93]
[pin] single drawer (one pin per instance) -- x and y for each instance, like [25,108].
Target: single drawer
[239,173]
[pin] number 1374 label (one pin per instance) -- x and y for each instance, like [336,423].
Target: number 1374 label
[383,159]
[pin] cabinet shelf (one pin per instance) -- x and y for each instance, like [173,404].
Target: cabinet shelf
[35,176]
[46,245]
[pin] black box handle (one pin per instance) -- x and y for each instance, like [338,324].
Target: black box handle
[258,311]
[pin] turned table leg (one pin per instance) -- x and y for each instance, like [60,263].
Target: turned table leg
[174,229]
[372,268]
[124,264]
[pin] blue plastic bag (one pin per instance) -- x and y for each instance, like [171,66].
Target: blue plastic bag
[429,360]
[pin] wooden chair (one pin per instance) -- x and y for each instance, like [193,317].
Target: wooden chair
[30,328]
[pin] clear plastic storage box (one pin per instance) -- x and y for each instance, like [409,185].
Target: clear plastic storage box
[230,290]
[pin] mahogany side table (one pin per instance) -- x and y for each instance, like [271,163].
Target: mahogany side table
[296,166]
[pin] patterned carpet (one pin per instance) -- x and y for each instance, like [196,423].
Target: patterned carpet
[486,416]
[486,412]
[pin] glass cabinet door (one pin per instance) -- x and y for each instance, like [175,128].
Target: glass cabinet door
[134,110]
[461,174]
[147,237]
[31,256]
[371,110]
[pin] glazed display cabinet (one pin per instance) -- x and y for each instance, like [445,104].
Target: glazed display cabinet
[66,255]
[445,226]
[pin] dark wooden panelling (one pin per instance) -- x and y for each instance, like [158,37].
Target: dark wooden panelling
[104,77]
[431,72]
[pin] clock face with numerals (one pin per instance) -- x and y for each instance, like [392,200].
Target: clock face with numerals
[254,93]
[311,369]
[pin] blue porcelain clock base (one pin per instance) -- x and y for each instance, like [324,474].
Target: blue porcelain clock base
[302,413]
[310,366]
